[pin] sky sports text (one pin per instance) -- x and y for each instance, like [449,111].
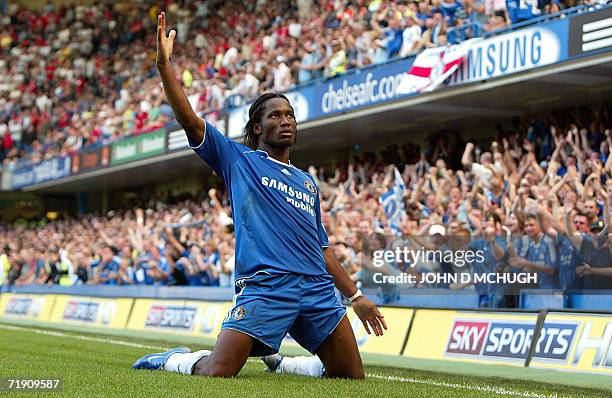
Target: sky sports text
[510,341]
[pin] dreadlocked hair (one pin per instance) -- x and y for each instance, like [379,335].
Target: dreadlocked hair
[255,113]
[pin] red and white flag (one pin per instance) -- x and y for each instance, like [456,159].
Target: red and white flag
[432,67]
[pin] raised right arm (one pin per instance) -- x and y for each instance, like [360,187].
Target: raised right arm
[193,125]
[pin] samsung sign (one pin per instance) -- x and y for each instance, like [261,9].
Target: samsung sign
[514,52]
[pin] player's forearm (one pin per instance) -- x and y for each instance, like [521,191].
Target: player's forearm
[342,281]
[185,116]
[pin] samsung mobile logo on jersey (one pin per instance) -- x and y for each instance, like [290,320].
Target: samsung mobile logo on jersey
[18,306]
[490,339]
[81,311]
[170,317]
[294,196]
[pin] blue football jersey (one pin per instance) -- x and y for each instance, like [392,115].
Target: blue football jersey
[275,206]
[542,253]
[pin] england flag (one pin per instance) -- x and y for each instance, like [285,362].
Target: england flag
[432,67]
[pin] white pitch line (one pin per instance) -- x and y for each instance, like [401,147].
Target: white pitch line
[486,389]
[100,340]
[80,337]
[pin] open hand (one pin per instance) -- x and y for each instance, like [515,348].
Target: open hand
[164,43]
[370,315]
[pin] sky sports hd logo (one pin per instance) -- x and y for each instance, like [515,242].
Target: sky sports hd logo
[81,311]
[510,340]
[165,316]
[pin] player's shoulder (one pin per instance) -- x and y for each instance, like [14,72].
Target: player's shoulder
[210,130]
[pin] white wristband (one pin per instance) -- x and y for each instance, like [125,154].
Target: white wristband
[355,296]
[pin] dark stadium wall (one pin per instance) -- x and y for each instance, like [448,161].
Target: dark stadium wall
[192,186]
[65,205]
[90,202]
[18,205]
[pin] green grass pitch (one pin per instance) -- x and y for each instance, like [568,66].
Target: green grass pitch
[99,365]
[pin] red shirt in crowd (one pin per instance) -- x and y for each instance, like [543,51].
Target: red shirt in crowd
[141,118]
[7,141]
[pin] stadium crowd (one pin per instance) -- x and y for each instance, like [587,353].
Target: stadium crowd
[77,76]
[537,199]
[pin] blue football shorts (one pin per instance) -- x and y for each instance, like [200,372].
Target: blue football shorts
[268,306]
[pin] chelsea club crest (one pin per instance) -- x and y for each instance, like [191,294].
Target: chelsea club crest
[239,313]
[309,186]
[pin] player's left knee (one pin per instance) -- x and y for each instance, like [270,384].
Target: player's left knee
[355,374]
[212,369]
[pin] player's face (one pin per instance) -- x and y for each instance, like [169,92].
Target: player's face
[278,125]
